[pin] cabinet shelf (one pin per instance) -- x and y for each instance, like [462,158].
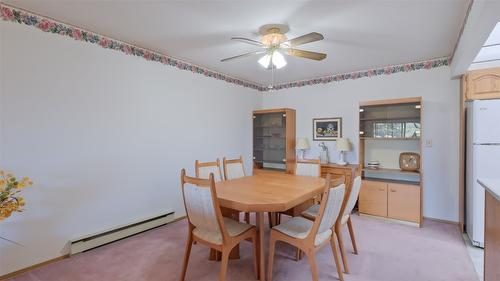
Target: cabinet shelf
[263,149]
[391,119]
[266,137]
[390,171]
[396,139]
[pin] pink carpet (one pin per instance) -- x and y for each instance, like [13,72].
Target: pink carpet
[388,252]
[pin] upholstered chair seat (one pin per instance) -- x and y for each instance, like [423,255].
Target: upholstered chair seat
[234,228]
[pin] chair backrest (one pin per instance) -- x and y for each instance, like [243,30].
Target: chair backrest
[308,167]
[353,196]
[202,207]
[329,209]
[203,170]
[233,168]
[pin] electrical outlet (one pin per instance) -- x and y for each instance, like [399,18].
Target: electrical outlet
[428,143]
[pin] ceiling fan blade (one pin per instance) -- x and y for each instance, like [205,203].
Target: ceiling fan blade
[305,54]
[304,39]
[243,55]
[248,41]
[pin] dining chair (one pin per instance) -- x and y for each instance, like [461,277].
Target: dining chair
[203,170]
[233,169]
[310,236]
[348,206]
[303,167]
[208,227]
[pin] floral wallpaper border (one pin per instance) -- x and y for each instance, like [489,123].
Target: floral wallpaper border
[429,64]
[13,14]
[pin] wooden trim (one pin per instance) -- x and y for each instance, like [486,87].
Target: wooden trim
[461,153]
[29,268]
[291,152]
[442,221]
[274,110]
[389,220]
[391,101]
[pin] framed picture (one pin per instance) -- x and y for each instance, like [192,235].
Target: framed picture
[327,129]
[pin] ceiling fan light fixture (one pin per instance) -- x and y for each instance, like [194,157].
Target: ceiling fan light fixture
[265,61]
[278,60]
[273,39]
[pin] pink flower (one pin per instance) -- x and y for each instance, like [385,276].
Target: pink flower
[77,34]
[427,65]
[104,42]
[7,13]
[45,25]
[407,67]
[164,60]
[127,50]
[387,70]
[148,55]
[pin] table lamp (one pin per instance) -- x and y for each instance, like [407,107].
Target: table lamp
[302,145]
[342,146]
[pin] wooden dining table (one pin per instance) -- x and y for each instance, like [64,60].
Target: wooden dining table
[267,192]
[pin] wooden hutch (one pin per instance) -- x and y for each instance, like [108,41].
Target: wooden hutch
[388,128]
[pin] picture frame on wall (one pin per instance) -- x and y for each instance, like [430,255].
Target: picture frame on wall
[327,129]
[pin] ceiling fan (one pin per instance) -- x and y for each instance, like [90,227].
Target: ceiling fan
[274,44]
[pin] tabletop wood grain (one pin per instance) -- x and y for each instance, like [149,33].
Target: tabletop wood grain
[271,192]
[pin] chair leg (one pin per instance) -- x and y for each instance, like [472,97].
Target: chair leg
[336,257]
[272,244]
[312,263]
[247,218]
[255,256]
[351,233]
[224,264]
[298,254]
[189,243]
[338,231]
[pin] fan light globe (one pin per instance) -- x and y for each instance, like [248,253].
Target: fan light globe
[265,61]
[278,60]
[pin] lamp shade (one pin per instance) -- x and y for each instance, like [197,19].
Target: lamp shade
[303,143]
[343,144]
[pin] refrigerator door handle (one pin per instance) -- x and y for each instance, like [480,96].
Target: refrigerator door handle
[486,143]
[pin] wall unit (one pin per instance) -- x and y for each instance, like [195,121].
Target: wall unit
[274,139]
[388,128]
[482,84]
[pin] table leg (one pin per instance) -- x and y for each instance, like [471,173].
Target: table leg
[262,259]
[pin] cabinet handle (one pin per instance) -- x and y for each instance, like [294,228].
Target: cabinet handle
[284,160]
[393,190]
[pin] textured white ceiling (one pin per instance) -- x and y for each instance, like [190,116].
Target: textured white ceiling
[358,34]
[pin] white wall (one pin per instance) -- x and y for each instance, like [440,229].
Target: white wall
[104,137]
[440,123]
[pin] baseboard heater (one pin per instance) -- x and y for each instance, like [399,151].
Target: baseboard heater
[98,239]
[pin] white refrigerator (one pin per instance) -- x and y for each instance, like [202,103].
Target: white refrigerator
[483,161]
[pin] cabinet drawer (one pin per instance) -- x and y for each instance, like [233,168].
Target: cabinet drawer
[373,198]
[403,202]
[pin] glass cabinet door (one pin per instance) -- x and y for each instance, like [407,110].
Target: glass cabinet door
[269,140]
